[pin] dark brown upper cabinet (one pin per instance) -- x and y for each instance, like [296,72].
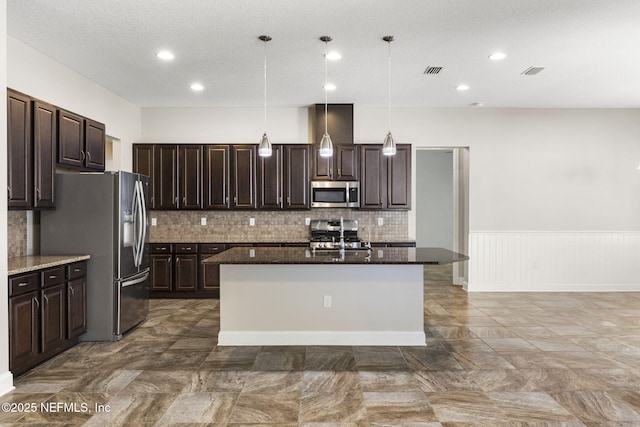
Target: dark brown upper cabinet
[80,142]
[30,152]
[44,154]
[296,176]
[385,181]
[19,151]
[270,185]
[94,145]
[178,176]
[217,176]
[344,164]
[143,161]
[244,163]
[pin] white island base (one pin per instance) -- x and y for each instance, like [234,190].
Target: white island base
[286,304]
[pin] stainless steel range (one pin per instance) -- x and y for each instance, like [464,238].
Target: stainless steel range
[335,234]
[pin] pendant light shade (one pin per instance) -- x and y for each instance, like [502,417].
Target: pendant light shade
[264,149]
[389,146]
[326,145]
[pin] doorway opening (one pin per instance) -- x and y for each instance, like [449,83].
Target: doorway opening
[442,203]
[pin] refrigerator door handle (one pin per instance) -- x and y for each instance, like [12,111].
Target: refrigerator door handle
[143,208]
[139,218]
[136,232]
[135,281]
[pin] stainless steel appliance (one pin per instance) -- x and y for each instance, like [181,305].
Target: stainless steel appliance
[334,234]
[335,194]
[104,215]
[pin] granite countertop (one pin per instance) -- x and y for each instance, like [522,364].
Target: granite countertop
[293,255]
[26,264]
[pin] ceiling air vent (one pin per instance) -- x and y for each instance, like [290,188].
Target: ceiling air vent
[532,71]
[432,70]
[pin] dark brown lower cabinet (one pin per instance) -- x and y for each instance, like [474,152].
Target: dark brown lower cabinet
[175,270]
[161,272]
[186,279]
[47,314]
[210,273]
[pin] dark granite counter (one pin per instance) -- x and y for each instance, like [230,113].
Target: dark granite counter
[293,255]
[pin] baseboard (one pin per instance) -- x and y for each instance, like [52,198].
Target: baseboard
[555,287]
[6,383]
[241,338]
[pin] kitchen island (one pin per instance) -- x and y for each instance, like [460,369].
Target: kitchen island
[297,296]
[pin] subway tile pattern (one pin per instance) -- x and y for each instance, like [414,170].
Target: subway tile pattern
[492,359]
[16,233]
[270,226]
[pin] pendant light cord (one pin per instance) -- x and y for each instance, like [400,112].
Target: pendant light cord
[265,86]
[389,64]
[326,52]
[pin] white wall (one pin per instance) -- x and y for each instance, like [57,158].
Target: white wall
[6,379]
[539,170]
[37,75]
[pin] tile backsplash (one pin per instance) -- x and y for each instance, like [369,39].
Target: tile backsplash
[270,226]
[16,233]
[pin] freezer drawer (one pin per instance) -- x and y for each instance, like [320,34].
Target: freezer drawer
[133,302]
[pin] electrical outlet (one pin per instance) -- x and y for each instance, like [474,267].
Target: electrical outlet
[327,301]
[380,221]
[252,222]
[203,221]
[154,221]
[307,221]
[252,253]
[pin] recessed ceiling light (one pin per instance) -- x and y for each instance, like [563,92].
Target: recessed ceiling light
[197,87]
[329,86]
[462,87]
[165,55]
[497,56]
[333,56]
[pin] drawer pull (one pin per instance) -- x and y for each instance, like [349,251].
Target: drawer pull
[164,248]
[77,270]
[21,284]
[53,276]
[187,249]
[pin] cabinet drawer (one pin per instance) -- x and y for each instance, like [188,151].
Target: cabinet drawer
[22,284]
[186,248]
[212,248]
[161,248]
[53,276]
[76,270]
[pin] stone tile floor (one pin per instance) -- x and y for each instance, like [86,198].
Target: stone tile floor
[493,359]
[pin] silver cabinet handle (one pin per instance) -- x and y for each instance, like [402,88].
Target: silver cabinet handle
[38,194]
[187,249]
[46,300]
[226,200]
[22,284]
[163,248]
[73,293]
[36,301]
[9,191]
[88,156]
[53,276]
[77,270]
[82,155]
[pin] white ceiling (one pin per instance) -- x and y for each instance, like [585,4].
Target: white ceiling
[590,48]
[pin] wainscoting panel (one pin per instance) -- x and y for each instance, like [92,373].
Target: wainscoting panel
[523,261]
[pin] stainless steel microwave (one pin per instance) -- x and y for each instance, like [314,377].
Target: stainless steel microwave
[335,194]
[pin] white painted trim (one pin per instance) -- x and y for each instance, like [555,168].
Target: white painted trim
[6,383]
[400,338]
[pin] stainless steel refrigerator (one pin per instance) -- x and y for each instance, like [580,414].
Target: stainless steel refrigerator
[104,215]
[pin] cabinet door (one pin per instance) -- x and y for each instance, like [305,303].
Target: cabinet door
[19,177]
[94,145]
[44,152]
[186,278]
[143,164]
[270,180]
[346,163]
[244,176]
[296,176]
[161,272]
[190,171]
[216,177]
[322,166]
[166,174]
[399,178]
[76,307]
[373,177]
[53,321]
[70,139]
[24,324]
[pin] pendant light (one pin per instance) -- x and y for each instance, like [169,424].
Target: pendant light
[326,146]
[389,146]
[264,149]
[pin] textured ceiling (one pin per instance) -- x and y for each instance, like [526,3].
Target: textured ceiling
[590,48]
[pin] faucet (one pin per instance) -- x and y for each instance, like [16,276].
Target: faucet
[341,233]
[367,244]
